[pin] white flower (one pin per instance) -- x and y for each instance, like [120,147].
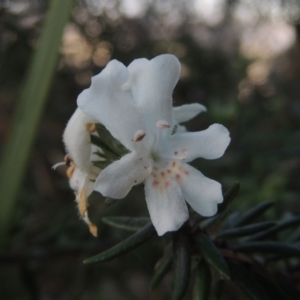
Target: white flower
[81,153]
[135,105]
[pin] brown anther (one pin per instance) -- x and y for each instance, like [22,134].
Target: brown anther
[139,135]
[90,127]
[68,160]
[70,171]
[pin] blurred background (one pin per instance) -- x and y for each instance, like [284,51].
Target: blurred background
[240,58]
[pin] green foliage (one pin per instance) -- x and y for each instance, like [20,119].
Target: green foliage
[202,282]
[182,263]
[221,254]
[125,246]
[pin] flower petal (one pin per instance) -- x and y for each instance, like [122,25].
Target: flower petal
[117,179]
[210,143]
[168,210]
[77,139]
[152,83]
[202,193]
[187,112]
[111,105]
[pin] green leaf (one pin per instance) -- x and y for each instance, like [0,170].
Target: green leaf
[108,153]
[212,255]
[269,247]
[163,266]
[29,110]
[245,230]
[202,282]
[102,164]
[247,283]
[253,214]
[182,264]
[125,246]
[229,196]
[109,141]
[281,226]
[127,223]
[110,201]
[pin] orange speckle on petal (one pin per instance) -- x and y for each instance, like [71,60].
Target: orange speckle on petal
[176,152]
[186,172]
[155,183]
[173,164]
[177,176]
[167,184]
[162,174]
[169,171]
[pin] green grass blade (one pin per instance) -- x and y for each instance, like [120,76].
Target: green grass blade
[29,110]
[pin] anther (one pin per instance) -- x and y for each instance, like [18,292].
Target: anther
[91,127]
[139,135]
[162,124]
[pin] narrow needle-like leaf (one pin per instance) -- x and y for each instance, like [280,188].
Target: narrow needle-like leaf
[127,223]
[229,196]
[245,230]
[269,247]
[253,214]
[162,268]
[202,282]
[212,255]
[281,226]
[125,246]
[182,264]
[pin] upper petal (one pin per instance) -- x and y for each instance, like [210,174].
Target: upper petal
[117,179]
[111,105]
[77,139]
[187,112]
[202,193]
[167,209]
[210,143]
[152,83]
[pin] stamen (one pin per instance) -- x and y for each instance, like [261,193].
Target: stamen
[91,127]
[139,135]
[162,124]
[58,165]
[68,159]
[70,171]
